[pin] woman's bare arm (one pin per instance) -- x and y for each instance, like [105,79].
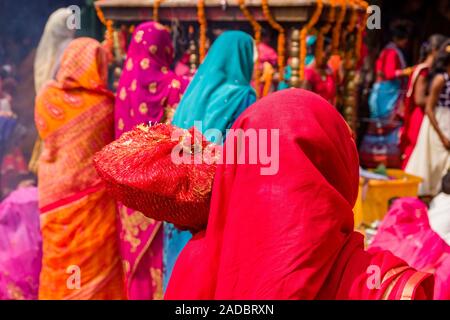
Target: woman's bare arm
[436,87]
[420,91]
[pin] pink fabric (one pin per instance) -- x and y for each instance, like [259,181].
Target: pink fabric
[387,64]
[182,66]
[405,231]
[146,88]
[20,245]
[323,86]
[267,54]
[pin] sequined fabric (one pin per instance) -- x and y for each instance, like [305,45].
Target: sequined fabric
[139,171]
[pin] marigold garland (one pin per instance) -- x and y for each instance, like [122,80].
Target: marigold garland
[267,78]
[257,31]
[324,30]
[109,29]
[338,26]
[303,34]
[156,5]
[361,28]
[203,28]
[281,43]
[354,16]
[349,29]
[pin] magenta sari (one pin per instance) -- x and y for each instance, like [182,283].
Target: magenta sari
[20,245]
[148,91]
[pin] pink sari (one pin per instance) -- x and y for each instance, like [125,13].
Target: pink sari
[406,232]
[148,91]
[20,245]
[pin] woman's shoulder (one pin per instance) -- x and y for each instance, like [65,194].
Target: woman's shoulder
[439,80]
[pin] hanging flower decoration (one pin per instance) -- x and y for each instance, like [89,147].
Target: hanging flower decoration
[323,31]
[281,43]
[338,26]
[361,28]
[109,42]
[304,33]
[156,5]
[257,34]
[349,29]
[203,27]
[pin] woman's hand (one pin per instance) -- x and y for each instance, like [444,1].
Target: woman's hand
[446,143]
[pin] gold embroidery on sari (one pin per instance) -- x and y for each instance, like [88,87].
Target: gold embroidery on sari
[14,292]
[122,94]
[143,109]
[132,225]
[138,36]
[156,276]
[153,48]
[133,85]
[129,65]
[145,63]
[152,87]
[126,266]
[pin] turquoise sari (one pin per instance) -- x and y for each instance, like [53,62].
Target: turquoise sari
[219,92]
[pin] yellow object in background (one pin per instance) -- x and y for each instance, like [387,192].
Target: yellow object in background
[374,195]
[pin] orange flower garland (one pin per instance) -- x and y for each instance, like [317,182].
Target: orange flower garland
[303,34]
[354,16]
[361,27]
[338,26]
[281,44]
[350,27]
[109,42]
[324,30]
[203,27]
[156,5]
[257,31]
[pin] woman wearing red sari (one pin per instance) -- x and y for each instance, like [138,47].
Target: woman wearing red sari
[290,235]
[415,97]
[148,91]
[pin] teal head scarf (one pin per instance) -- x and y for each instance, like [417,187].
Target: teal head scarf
[218,94]
[220,90]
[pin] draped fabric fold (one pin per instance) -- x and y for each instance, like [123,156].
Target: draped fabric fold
[289,235]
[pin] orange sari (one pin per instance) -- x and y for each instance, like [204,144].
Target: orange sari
[74,117]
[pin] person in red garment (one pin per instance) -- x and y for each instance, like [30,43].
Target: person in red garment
[416,94]
[290,235]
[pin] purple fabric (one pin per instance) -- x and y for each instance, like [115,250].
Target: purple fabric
[147,86]
[20,245]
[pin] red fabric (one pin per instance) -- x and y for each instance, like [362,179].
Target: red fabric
[139,171]
[288,235]
[387,63]
[413,116]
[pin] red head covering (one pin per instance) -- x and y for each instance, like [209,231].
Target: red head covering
[288,235]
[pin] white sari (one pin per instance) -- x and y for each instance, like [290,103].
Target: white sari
[430,160]
[439,216]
